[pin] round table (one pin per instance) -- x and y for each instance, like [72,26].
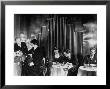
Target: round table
[87,71]
[60,69]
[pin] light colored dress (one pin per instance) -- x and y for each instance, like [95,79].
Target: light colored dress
[17,66]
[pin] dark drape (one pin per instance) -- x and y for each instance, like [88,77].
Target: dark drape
[60,31]
[63,35]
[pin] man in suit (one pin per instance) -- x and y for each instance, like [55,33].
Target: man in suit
[92,58]
[74,70]
[23,39]
[36,65]
[24,50]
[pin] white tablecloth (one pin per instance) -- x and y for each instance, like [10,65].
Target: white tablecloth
[87,71]
[60,70]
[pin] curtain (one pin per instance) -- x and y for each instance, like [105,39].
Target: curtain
[62,35]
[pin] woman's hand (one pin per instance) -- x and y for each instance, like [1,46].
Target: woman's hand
[31,64]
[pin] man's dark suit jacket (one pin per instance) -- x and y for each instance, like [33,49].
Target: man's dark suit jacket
[24,48]
[37,56]
[87,59]
[16,47]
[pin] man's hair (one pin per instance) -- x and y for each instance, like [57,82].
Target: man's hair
[55,48]
[35,42]
[93,49]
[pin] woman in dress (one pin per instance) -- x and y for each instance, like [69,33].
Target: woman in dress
[17,57]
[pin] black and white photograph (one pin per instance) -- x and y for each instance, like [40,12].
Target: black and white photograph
[55,45]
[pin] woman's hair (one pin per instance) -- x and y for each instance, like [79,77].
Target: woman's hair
[16,38]
[67,51]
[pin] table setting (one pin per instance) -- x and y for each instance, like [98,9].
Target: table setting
[87,70]
[60,69]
